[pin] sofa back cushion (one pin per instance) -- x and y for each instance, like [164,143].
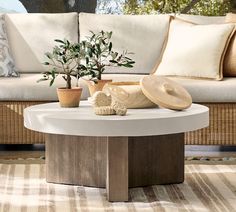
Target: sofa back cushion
[31,35]
[199,19]
[144,35]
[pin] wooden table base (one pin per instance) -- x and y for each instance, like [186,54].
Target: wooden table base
[115,162]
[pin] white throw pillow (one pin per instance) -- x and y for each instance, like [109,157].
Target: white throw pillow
[7,65]
[31,35]
[195,51]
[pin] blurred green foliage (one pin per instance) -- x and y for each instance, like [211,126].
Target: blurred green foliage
[202,7]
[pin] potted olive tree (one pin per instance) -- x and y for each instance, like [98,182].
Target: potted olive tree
[64,60]
[99,55]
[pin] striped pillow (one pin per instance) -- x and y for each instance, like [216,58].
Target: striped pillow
[7,65]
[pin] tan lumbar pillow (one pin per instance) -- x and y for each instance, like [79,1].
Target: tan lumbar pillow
[195,51]
[230,57]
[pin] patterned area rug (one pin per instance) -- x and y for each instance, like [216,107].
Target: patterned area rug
[207,187]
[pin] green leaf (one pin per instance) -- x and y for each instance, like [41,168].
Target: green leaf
[113,61]
[114,55]
[131,62]
[87,60]
[42,79]
[49,55]
[84,43]
[127,65]
[64,77]
[92,37]
[127,58]
[110,46]
[51,82]
[64,59]
[59,41]
[98,49]
[110,34]
[53,74]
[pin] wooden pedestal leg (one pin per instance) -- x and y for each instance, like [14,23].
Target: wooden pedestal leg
[156,160]
[76,160]
[115,162]
[117,169]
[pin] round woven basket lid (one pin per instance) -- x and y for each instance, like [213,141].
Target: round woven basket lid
[165,92]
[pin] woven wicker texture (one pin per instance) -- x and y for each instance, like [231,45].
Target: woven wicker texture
[12,124]
[222,129]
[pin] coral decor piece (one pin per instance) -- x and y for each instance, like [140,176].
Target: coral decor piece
[100,99]
[120,108]
[103,105]
[104,110]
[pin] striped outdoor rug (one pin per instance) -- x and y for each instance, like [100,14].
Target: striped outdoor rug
[206,188]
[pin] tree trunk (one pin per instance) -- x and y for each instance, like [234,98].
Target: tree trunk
[59,6]
[233,6]
[189,6]
[68,81]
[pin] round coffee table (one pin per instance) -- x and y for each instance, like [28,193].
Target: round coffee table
[144,148]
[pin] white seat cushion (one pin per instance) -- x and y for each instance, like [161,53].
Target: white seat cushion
[209,90]
[25,88]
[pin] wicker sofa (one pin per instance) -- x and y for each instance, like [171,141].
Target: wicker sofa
[32,34]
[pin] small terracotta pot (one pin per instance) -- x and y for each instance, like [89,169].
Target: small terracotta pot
[94,87]
[69,97]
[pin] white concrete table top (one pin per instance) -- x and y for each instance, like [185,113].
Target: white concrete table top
[81,121]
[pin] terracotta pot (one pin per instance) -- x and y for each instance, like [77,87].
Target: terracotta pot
[69,97]
[94,87]
[128,93]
